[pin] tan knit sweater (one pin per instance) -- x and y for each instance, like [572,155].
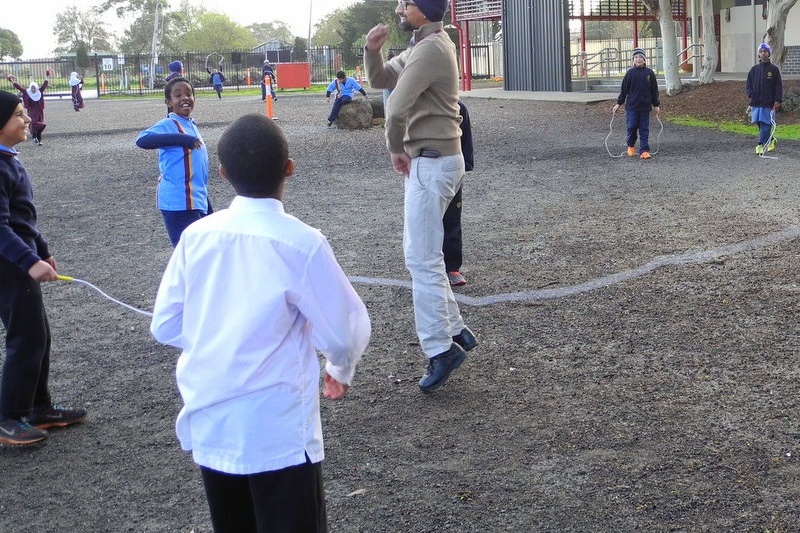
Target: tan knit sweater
[424,82]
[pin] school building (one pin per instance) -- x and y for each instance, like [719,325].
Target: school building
[549,44]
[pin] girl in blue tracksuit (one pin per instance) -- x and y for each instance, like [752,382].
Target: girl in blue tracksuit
[639,93]
[182,161]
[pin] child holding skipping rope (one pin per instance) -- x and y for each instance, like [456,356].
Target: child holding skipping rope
[26,409]
[639,93]
[765,90]
[249,374]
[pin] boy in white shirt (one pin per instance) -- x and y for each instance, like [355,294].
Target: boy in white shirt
[250,295]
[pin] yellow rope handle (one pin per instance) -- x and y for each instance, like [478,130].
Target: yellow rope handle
[64,278]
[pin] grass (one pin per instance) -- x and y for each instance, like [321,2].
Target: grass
[782,131]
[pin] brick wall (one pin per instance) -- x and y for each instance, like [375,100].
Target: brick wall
[791,67]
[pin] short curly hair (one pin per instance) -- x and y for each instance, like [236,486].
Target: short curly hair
[171,83]
[253,151]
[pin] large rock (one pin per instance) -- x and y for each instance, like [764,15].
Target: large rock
[357,115]
[378,110]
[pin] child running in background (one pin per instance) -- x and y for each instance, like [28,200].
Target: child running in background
[217,79]
[182,161]
[639,93]
[26,408]
[33,101]
[76,87]
[249,374]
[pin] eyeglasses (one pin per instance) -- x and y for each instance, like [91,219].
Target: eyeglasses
[403,4]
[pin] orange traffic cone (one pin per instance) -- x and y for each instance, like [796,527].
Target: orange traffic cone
[268,99]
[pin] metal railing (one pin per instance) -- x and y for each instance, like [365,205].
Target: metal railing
[582,64]
[697,54]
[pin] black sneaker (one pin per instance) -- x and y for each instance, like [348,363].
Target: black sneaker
[441,366]
[55,416]
[466,339]
[20,433]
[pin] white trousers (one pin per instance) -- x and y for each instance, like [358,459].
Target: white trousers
[430,186]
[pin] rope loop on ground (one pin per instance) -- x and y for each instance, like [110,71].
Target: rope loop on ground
[623,154]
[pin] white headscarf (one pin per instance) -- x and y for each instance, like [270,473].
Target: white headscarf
[74,79]
[34,92]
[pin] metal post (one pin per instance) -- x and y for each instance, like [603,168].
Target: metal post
[695,39]
[154,47]
[755,39]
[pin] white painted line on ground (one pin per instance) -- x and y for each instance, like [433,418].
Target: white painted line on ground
[792,232]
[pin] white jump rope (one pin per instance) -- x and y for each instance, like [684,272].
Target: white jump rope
[123,304]
[610,128]
[623,154]
[763,155]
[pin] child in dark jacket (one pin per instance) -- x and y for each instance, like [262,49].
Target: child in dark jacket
[26,409]
[765,89]
[639,93]
[217,78]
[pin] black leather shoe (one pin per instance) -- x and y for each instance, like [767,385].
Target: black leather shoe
[441,366]
[466,339]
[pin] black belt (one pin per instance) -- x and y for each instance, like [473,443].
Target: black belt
[432,154]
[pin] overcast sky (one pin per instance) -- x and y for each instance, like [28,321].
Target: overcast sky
[35,30]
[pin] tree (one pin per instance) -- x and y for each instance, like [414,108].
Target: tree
[82,55]
[125,7]
[216,32]
[662,11]
[75,29]
[362,16]
[266,31]
[777,12]
[347,27]
[710,59]
[329,29]
[138,38]
[300,48]
[10,47]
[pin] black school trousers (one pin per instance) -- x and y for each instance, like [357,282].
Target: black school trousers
[290,500]
[451,244]
[26,369]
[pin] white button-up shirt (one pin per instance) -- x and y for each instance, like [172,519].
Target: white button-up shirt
[249,295]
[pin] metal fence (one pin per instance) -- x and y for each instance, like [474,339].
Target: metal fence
[608,58]
[35,71]
[139,74]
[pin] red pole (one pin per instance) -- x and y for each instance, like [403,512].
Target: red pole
[464,51]
[466,57]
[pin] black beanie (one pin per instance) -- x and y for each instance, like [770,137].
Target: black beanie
[8,104]
[432,9]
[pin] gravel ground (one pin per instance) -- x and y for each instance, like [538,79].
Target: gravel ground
[637,367]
